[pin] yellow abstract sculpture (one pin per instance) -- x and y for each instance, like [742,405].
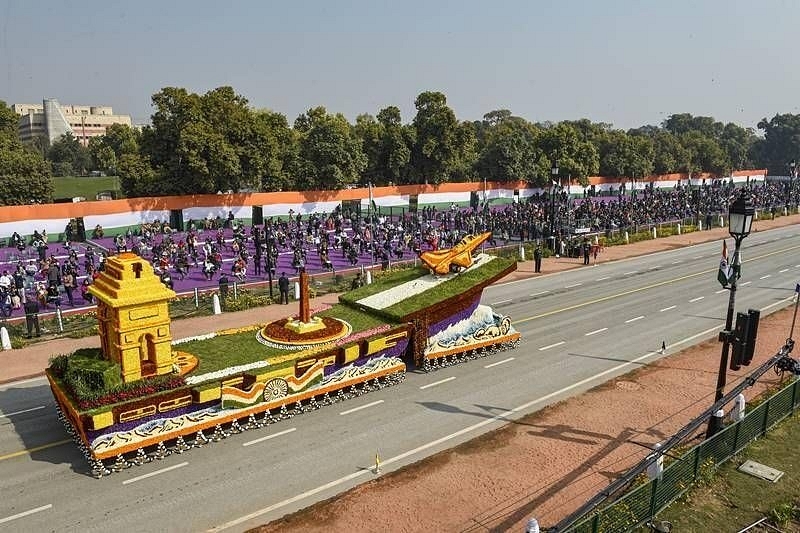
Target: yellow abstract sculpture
[133,317]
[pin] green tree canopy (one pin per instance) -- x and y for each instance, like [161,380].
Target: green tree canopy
[24,174]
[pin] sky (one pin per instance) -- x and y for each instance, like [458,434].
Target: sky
[628,63]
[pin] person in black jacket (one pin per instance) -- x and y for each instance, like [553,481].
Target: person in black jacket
[283,286]
[32,317]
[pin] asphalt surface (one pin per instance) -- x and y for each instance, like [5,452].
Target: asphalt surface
[579,327]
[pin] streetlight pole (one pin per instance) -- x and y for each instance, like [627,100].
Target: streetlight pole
[740,219]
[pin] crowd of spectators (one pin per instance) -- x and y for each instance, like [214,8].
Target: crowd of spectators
[346,238]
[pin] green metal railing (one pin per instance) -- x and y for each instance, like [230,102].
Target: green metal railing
[641,504]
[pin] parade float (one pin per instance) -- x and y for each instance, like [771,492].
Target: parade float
[143,395]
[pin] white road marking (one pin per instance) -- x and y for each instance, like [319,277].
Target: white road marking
[543,348]
[21,382]
[667,308]
[539,293]
[631,272]
[573,285]
[676,262]
[451,378]
[595,332]
[782,271]
[25,513]
[602,279]
[154,473]
[745,283]
[6,415]
[693,300]
[634,319]
[764,277]
[502,302]
[797,266]
[504,361]
[354,409]
[262,439]
[721,291]
[463,431]
[697,257]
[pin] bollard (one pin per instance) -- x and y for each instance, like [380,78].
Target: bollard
[655,235]
[217,308]
[369,277]
[235,291]
[296,290]
[196,298]
[716,423]
[596,240]
[532,526]
[627,238]
[60,322]
[521,253]
[699,225]
[679,228]
[721,221]
[656,468]
[755,215]
[738,410]
[785,211]
[5,340]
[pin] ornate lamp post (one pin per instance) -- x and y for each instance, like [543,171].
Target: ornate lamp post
[740,220]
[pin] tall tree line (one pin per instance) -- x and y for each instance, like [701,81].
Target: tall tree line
[212,142]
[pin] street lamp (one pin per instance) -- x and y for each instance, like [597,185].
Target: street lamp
[740,220]
[553,175]
[792,176]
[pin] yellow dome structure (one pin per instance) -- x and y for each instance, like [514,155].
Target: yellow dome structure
[133,317]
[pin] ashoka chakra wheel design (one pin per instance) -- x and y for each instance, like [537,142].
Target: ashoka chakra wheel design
[275,389]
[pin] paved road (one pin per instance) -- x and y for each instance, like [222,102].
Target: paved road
[580,328]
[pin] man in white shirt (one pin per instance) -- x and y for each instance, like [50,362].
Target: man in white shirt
[6,280]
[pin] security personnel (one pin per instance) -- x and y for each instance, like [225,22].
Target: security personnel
[32,317]
[537,258]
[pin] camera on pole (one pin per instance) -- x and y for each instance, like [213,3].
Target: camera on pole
[743,338]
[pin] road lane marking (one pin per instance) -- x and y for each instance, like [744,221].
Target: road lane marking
[502,302]
[676,262]
[764,277]
[595,332]
[667,308]
[354,409]
[504,361]
[573,285]
[797,266]
[154,473]
[445,380]
[23,411]
[26,513]
[34,449]
[698,257]
[539,293]
[644,288]
[693,300]
[603,278]
[463,431]
[21,382]
[634,319]
[543,348]
[721,291]
[262,439]
[631,272]
[782,271]
[745,283]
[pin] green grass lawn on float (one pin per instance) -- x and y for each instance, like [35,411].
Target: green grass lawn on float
[238,349]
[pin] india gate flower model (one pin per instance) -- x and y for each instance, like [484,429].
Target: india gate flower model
[142,395]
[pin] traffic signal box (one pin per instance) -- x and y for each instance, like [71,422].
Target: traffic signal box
[743,338]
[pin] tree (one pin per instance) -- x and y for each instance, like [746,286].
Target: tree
[670,154]
[68,156]
[577,158]
[444,149]
[706,155]
[396,143]
[24,174]
[330,155]
[780,145]
[137,177]
[511,151]
[626,155]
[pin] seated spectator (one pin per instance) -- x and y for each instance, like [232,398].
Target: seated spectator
[53,296]
[98,232]
[85,294]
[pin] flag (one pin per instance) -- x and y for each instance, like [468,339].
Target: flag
[724,267]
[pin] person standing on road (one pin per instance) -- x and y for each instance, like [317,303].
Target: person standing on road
[537,258]
[283,287]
